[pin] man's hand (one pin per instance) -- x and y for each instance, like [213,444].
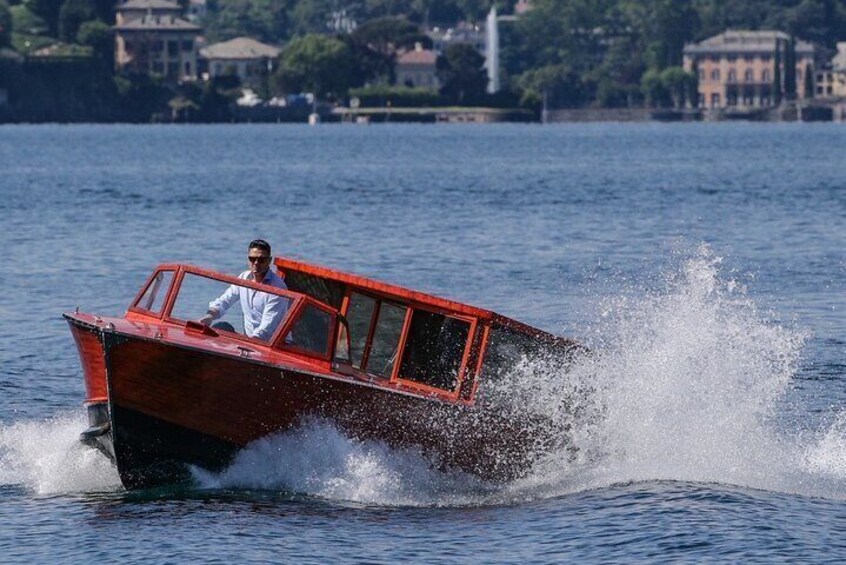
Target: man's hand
[208,318]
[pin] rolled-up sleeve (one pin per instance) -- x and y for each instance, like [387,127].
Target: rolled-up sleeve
[223,302]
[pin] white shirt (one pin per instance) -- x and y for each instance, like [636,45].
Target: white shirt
[262,311]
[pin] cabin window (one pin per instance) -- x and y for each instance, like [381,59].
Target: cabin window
[311,331]
[359,316]
[434,349]
[386,338]
[155,294]
[198,294]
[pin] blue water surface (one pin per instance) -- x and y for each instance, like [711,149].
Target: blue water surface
[705,262]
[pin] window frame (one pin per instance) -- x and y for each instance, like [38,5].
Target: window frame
[176,286]
[297,310]
[465,354]
[395,379]
[134,307]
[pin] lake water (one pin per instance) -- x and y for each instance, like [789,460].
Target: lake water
[704,263]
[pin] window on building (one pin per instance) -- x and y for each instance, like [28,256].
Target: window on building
[158,67]
[157,46]
[701,101]
[188,72]
[173,69]
[765,75]
[701,74]
[715,100]
[748,75]
[172,48]
[732,76]
[732,58]
[187,44]
[765,58]
[715,74]
[828,90]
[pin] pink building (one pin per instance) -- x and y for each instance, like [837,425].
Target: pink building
[737,68]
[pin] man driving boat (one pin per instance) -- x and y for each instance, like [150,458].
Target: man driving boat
[262,311]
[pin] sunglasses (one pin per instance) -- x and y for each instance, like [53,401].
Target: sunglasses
[258,259]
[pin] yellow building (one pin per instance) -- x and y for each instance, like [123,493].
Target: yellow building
[737,68]
[151,37]
[247,58]
[838,71]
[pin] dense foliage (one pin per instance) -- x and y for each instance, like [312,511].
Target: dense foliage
[5,24]
[565,53]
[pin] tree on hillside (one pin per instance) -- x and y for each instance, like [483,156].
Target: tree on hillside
[311,16]
[72,15]
[390,8]
[474,10]
[48,10]
[98,35]
[566,31]
[809,81]
[374,45]
[653,89]
[461,74]
[556,85]
[439,12]
[716,16]
[314,63]
[663,27]
[819,21]
[616,81]
[264,20]
[680,85]
[790,69]
[5,24]
[387,35]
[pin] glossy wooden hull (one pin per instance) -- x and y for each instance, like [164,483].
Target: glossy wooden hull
[171,406]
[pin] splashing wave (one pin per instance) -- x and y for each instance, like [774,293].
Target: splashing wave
[685,384]
[45,457]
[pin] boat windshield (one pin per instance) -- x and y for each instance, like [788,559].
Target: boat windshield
[239,309]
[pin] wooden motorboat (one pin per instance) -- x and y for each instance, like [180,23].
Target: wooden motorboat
[379,361]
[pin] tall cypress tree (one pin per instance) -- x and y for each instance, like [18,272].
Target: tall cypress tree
[790,70]
[809,81]
[777,72]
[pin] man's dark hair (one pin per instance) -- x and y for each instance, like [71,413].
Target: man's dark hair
[260,244]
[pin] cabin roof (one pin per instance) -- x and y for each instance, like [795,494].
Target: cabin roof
[406,294]
[400,292]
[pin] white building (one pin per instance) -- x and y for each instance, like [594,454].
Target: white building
[251,60]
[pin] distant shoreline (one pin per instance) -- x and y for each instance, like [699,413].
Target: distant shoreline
[820,112]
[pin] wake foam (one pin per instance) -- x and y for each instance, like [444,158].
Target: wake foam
[45,457]
[318,460]
[683,383]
